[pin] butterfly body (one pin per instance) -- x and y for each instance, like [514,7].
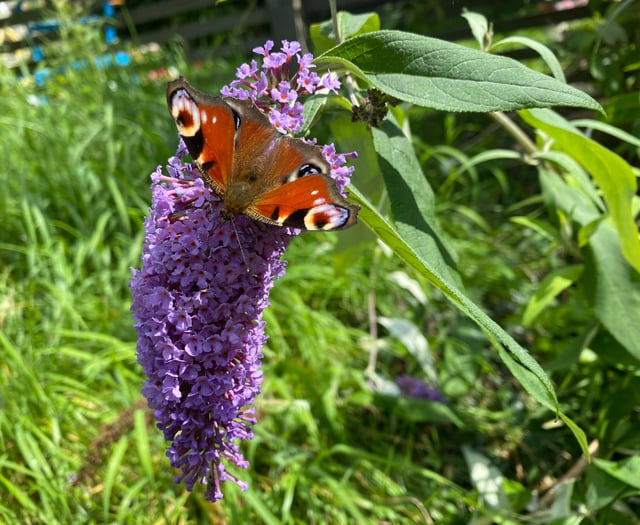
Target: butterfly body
[256,171]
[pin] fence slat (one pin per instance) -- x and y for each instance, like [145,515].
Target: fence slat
[163,10]
[196,30]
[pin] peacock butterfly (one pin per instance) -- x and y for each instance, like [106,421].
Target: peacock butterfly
[255,170]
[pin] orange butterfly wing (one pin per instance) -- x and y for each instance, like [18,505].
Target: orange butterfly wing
[304,195]
[207,126]
[308,202]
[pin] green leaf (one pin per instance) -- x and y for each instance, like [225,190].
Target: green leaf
[578,178]
[439,74]
[627,471]
[613,287]
[412,199]
[608,129]
[487,479]
[567,198]
[548,289]
[417,410]
[113,468]
[531,383]
[488,156]
[350,25]
[579,434]
[479,27]
[142,443]
[529,372]
[311,110]
[602,489]
[612,174]
[545,53]
[323,36]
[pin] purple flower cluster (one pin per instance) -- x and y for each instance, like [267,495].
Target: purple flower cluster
[284,76]
[198,307]
[198,302]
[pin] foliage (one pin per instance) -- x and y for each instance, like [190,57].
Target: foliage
[533,241]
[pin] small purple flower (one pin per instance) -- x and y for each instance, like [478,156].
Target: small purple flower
[340,172]
[279,120]
[275,60]
[199,296]
[283,94]
[414,387]
[291,48]
[264,50]
[330,82]
[246,70]
[307,80]
[305,62]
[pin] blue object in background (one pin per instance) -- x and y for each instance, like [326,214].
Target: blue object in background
[110,33]
[37,54]
[119,58]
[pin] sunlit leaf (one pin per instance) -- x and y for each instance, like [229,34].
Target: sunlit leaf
[442,75]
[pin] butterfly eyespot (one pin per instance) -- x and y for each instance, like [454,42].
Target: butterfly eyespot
[308,169]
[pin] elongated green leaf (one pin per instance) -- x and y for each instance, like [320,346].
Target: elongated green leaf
[529,373]
[618,133]
[578,433]
[479,27]
[418,410]
[613,287]
[530,382]
[20,495]
[142,443]
[614,176]
[323,35]
[546,53]
[549,288]
[577,172]
[488,156]
[412,200]
[113,467]
[256,501]
[439,74]
[612,284]
[627,471]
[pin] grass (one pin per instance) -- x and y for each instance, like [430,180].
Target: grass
[332,444]
[77,445]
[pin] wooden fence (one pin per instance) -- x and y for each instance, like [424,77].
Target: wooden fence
[199,22]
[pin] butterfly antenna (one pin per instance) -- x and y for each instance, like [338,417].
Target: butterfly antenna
[244,258]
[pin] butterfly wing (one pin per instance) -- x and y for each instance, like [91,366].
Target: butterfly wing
[208,126]
[256,171]
[303,195]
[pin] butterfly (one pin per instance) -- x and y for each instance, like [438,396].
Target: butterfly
[254,169]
